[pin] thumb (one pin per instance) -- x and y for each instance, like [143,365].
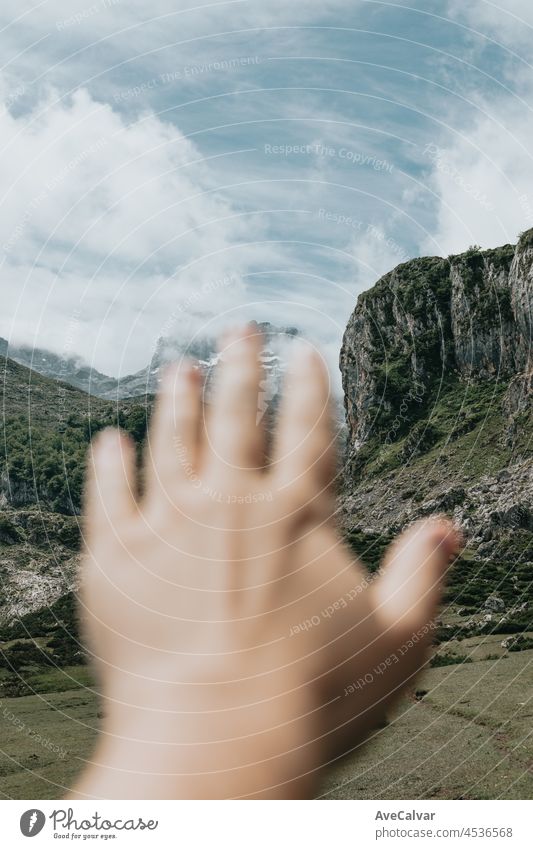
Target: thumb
[409,589]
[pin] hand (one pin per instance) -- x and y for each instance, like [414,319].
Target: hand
[239,645]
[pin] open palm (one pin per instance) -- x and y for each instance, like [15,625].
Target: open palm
[240,646]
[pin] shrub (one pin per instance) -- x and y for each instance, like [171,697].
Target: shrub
[23,654]
[521,644]
[448,659]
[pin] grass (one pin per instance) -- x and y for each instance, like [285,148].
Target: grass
[466,736]
[462,422]
[462,732]
[47,737]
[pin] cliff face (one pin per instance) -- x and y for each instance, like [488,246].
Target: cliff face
[433,320]
[437,367]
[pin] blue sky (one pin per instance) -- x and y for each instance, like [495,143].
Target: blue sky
[171,170]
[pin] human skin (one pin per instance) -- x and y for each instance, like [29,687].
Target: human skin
[230,626]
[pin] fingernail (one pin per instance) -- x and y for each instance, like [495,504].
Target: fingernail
[107,440]
[451,539]
[456,542]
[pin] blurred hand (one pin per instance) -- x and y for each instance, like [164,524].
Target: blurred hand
[240,646]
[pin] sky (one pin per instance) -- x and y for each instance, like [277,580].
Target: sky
[170,169]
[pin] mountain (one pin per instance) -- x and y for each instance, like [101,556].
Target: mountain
[40,397]
[46,429]
[467,317]
[204,351]
[437,368]
[71,370]
[47,426]
[74,371]
[143,384]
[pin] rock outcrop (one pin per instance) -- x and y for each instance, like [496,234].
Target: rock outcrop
[437,368]
[39,557]
[431,320]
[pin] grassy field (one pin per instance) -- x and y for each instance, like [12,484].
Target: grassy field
[467,734]
[45,737]
[464,731]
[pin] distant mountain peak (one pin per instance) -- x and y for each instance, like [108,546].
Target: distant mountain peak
[76,372]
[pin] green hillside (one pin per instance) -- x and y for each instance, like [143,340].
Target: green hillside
[46,428]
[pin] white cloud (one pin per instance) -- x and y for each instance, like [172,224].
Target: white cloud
[482,173]
[112,46]
[114,223]
[104,36]
[106,185]
[484,182]
[99,210]
[114,14]
[115,233]
[508,22]
[375,253]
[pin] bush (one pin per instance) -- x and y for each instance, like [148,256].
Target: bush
[21,655]
[13,687]
[9,533]
[40,464]
[448,659]
[521,644]
[66,651]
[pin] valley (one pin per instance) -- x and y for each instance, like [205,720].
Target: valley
[437,375]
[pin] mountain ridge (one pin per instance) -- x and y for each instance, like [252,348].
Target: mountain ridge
[75,371]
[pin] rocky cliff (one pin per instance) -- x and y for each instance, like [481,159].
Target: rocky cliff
[437,371]
[431,320]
